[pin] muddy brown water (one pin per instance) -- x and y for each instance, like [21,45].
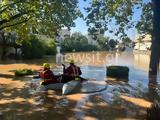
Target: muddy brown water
[119,101]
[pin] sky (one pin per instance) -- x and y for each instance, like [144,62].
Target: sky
[81,25]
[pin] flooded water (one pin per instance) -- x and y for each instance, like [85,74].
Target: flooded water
[118,101]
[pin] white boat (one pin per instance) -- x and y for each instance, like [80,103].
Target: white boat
[37,83]
[73,86]
[76,86]
[70,86]
[56,86]
[93,86]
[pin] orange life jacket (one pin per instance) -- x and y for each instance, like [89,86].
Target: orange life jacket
[48,76]
[73,71]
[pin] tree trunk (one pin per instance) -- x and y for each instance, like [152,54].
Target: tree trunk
[4,49]
[155,47]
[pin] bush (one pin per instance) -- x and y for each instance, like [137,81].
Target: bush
[32,48]
[90,48]
[118,71]
[35,47]
[50,47]
[23,72]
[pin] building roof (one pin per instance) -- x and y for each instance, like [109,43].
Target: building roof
[64,32]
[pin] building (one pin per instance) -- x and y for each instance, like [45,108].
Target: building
[91,41]
[143,44]
[63,34]
[8,45]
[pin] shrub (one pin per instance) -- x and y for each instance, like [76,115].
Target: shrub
[23,72]
[90,48]
[50,47]
[32,48]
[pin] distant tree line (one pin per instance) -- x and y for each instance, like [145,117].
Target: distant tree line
[36,47]
[78,42]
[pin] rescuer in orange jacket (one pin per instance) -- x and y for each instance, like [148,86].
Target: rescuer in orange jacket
[72,72]
[47,75]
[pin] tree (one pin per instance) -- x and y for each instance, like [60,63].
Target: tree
[155,48]
[44,17]
[32,48]
[120,12]
[39,13]
[149,25]
[8,39]
[126,40]
[102,14]
[77,42]
[15,12]
[112,44]
[50,47]
[145,25]
[103,42]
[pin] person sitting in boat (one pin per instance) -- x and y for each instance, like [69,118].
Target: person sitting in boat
[72,72]
[47,75]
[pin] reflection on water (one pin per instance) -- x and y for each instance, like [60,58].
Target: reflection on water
[141,61]
[121,100]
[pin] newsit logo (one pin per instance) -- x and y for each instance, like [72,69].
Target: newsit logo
[86,58]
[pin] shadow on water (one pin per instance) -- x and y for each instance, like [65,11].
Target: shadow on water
[17,104]
[13,77]
[153,89]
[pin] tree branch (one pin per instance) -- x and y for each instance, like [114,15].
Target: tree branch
[9,4]
[1,11]
[15,17]
[14,24]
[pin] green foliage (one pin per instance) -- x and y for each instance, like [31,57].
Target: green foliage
[50,47]
[118,71]
[89,47]
[102,14]
[103,42]
[7,39]
[112,44]
[36,47]
[145,25]
[126,40]
[23,72]
[77,42]
[32,48]
[26,17]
